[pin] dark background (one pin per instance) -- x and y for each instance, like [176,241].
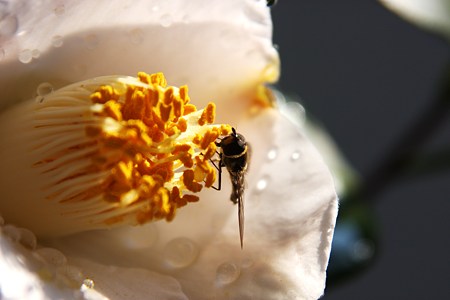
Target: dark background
[366,75]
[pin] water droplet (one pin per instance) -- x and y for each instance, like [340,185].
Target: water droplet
[72,273]
[262,184]
[57,41]
[137,237]
[35,53]
[52,256]
[227,273]
[8,26]
[39,99]
[91,41]
[12,232]
[44,89]
[180,252]
[59,10]
[295,155]
[136,36]
[272,154]
[27,238]
[247,263]
[166,20]
[88,283]
[25,56]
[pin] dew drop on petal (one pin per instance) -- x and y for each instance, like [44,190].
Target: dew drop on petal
[138,237]
[262,184]
[72,273]
[57,41]
[295,155]
[44,89]
[25,56]
[27,238]
[247,263]
[9,25]
[91,41]
[272,153]
[35,53]
[227,273]
[59,10]
[52,256]
[11,231]
[88,283]
[180,252]
[166,20]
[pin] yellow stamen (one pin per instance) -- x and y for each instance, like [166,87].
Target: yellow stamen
[123,150]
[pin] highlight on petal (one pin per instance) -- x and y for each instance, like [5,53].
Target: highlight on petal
[218,48]
[130,283]
[433,15]
[290,209]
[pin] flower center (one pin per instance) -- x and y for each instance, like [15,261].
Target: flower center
[143,150]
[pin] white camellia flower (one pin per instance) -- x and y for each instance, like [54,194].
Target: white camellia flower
[432,15]
[67,176]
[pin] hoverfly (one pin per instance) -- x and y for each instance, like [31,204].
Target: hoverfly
[234,155]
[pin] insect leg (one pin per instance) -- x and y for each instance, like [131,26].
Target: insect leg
[219,170]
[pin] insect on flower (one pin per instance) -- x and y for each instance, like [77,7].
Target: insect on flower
[234,155]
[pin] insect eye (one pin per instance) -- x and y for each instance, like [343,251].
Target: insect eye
[240,138]
[271,2]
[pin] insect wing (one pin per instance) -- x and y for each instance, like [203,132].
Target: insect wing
[241,219]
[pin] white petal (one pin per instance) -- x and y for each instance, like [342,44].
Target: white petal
[216,47]
[431,14]
[291,207]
